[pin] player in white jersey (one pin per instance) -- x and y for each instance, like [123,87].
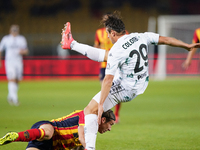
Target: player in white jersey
[126,72]
[15,47]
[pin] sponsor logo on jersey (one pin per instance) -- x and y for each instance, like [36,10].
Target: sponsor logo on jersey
[142,75]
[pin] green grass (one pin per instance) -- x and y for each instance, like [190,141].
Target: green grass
[165,117]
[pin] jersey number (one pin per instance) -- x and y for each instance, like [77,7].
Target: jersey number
[138,54]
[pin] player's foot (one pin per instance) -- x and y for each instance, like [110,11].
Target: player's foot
[117,119]
[66,36]
[16,103]
[10,101]
[9,137]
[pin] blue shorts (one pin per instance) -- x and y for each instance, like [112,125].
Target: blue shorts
[102,74]
[41,145]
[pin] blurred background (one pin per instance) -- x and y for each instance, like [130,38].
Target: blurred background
[167,116]
[41,21]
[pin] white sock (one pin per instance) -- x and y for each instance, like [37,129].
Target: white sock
[12,91]
[93,53]
[90,129]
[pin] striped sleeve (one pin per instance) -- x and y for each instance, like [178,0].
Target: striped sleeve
[81,118]
[196,36]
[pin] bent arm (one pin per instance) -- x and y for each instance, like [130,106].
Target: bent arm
[105,89]
[188,60]
[24,51]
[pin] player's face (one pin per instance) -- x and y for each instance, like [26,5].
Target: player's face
[110,36]
[105,126]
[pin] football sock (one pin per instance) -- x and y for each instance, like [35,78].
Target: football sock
[91,128]
[117,107]
[93,53]
[30,135]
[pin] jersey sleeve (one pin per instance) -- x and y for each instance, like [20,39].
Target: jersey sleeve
[196,36]
[152,38]
[96,39]
[81,118]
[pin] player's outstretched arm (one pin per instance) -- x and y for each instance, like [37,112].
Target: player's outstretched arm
[177,43]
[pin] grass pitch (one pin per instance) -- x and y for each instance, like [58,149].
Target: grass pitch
[165,117]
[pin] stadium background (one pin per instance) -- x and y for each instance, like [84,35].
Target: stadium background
[41,23]
[166,116]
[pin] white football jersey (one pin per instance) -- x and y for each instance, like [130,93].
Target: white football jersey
[12,46]
[128,59]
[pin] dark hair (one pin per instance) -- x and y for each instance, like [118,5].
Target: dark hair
[109,115]
[113,21]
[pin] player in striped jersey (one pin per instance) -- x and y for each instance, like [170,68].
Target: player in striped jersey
[196,39]
[63,133]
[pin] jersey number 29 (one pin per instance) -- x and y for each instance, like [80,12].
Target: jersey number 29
[143,56]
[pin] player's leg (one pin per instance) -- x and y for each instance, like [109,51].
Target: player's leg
[45,140]
[68,42]
[91,125]
[48,131]
[13,92]
[37,132]
[117,108]
[11,73]
[102,74]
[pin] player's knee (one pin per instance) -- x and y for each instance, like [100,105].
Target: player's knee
[49,130]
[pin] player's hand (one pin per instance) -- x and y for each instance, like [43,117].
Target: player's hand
[192,46]
[23,52]
[185,64]
[100,112]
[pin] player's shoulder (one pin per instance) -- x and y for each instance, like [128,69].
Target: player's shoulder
[6,36]
[80,112]
[101,30]
[21,36]
[198,29]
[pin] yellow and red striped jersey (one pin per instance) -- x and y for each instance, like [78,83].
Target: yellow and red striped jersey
[66,130]
[196,37]
[102,40]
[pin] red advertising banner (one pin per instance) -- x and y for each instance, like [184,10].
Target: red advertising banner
[48,67]
[81,66]
[174,65]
